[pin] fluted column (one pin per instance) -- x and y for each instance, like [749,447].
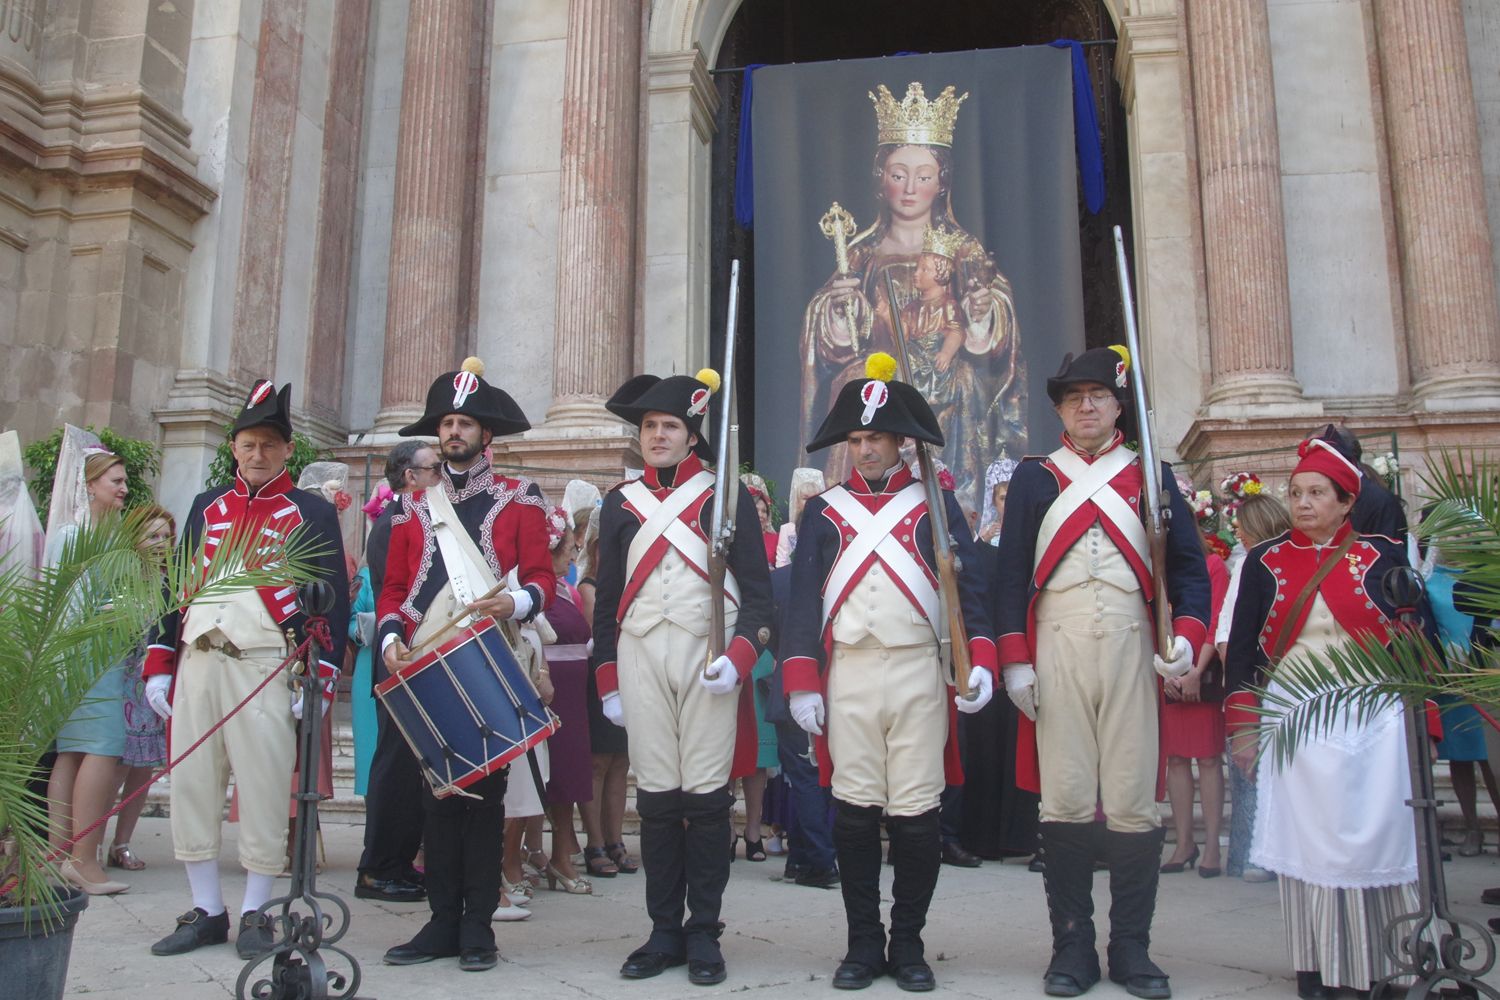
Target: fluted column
[1447,276]
[597,214]
[427,301]
[1239,169]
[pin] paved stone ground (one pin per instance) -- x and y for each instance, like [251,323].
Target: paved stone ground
[986,935]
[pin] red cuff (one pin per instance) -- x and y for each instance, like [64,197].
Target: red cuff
[1434,720]
[1239,711]
[800,673]
[742,654]
[329,675]
[1012,648]
[160,661]
[1194,631]
[607,677]
[982,654]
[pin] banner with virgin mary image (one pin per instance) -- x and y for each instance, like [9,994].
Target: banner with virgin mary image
[936,193]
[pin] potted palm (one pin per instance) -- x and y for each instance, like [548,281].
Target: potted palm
[63,626]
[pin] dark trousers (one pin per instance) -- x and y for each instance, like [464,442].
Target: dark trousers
[810,833]
[393,811]
[464,838]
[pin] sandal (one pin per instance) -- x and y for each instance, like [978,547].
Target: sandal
[599,863]
[624,863]
[535,873]
[120,856]
[754,850]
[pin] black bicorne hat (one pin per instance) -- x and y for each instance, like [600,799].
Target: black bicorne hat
[1105,365]
[265,407]
[465,391]
[685,397]
[1343,441]
[878,402]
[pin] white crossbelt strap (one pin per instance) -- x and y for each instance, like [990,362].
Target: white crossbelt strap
[1091,482]
[663,519]
[469,574]
[872,534]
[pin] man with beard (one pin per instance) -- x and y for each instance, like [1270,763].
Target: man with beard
[498,523]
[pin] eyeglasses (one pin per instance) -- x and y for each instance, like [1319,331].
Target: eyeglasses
[1073,400]
[427,468]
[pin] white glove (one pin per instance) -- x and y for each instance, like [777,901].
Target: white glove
[1179,663]
[807,710]
[1020,684]
[981,690]
[613,710]
[297,707]
[721,677]
[156,695]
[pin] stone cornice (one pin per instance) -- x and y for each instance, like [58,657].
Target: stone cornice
[687,73]
[1143,36]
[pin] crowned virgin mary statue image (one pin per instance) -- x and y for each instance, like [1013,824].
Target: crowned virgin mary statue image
[952,304]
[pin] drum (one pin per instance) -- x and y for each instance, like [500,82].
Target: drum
[467,708]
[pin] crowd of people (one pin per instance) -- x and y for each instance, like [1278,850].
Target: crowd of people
[824,696]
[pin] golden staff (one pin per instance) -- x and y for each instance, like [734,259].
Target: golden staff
[838,225]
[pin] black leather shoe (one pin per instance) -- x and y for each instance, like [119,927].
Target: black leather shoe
[915,978]
[195,928]
[1037,863]
[702,973]
[478,959]
[389,890]
[1490,896]
[1060,984]
[954,854]
[819,878]
[645,964]
[853,976]
[255,937]
[410,954]
[1146,987]
[1310,987]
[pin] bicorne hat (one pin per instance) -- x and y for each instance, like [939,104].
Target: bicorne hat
[878,402]
[1105,365]
[465,391]
[265,407]
[682,396]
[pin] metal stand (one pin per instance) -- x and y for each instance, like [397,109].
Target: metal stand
[298,969]
[1430,945]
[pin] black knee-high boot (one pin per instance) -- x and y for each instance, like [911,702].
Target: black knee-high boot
[662,855]
[916,851]
[1069,879]
[707,868]
[1134,861]
[856,842]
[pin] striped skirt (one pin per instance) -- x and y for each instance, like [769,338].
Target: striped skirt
[1338,933]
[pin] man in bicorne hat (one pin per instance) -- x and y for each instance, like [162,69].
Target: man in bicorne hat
[1074,621]
[862,668]
[217,651]
[691,722]
[450,545]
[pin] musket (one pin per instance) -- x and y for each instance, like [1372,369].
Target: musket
[1158,508]
[721,530]
[953,644]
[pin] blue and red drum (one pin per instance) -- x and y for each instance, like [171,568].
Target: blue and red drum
[467,708]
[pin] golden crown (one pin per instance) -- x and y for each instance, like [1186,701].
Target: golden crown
[916,121]
[943,242]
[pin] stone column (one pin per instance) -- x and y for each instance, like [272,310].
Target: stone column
[427,303]
[1239,173]
[1447,277]
[597,215]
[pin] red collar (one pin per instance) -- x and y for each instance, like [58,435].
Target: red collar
[894,483]
[1302,541]
[684,470]
[279,486]
[1114,442]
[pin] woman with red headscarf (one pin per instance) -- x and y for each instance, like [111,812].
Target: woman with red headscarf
[1332,822]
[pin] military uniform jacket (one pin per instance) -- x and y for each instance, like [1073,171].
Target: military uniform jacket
[277,507]
[506,519]
[813,615]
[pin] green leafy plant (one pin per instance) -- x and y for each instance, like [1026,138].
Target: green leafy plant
[142,463]
[66,624]
[304,453]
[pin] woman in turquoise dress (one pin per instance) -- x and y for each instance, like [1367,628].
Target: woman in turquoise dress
[361,692]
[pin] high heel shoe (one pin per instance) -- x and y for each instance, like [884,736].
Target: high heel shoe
[1210,871]
[75,878]
[533,872]
[575,886]
[622,859]
[734,842]
[516,890]
[1174,867]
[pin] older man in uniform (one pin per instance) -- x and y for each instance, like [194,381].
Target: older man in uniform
[691,722]
[1074,615]
[861,658]
[218,650]
[449,546]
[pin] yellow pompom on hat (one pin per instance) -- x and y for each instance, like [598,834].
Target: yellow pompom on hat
[880,365]
[710,378]
[1123,352]
[472,365]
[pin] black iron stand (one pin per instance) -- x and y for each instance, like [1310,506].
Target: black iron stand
[298,969]
[1430,946]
